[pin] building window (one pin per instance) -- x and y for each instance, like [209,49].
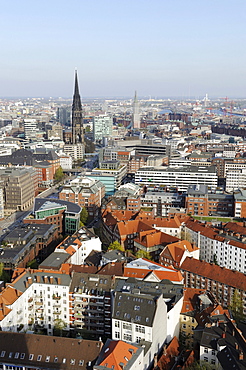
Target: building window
[117,335]
[205,350]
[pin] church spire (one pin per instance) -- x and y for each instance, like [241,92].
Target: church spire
[77,119]
[76,85]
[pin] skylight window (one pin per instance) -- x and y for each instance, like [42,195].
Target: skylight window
[31,357]
[3,353]
[81,362]
[47,359]
[72,361]
[39,358]
[56,359]
[17,355]
[22,356]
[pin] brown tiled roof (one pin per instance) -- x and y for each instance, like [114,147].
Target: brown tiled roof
[150,238]
[54,352]
[112,268]
[191,299]
[202,228]
[211,271]
[68,268]
[235,227]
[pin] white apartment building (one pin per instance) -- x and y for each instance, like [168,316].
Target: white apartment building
[161,202]
[36,300]
[179,178]
[80,245]
[228,252]
[76,151]
[232,166]
[66,162]
[235,179]
[139,316]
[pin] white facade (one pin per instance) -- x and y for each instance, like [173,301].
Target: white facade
[229,253]
[102,126]
[30,128]
[76,151]
[66,162]
[40,304]
[86,247]
[1,204]
[179,178]
[235,179]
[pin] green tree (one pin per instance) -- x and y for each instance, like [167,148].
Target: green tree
[59,325]
[3,274]
[236,306]
[115,246]
[59,174]
[143,254]
[83,216]
[200,366]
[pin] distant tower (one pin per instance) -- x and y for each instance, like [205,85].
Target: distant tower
[136,115]
[77,119]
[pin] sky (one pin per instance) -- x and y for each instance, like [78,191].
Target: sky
[161,48]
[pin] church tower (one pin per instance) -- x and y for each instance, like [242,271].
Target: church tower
[77,119]
[136,115]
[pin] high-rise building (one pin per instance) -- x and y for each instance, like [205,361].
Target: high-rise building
[136,115]
[77,120]
[102,127]
[30,128]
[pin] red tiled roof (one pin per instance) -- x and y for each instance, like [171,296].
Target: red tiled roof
[211,271]
[117,352]
[191,299]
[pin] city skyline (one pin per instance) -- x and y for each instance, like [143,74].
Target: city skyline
[159,49]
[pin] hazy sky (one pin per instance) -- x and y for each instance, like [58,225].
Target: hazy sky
[157,47]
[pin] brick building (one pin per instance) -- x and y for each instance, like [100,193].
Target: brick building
[85,192]
[220,281]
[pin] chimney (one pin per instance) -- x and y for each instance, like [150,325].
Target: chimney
[30,280]
[26,284]
[45,279]
[236,346]
[223,335]
[51,279]
[241,357]
[38,278]
[59,281]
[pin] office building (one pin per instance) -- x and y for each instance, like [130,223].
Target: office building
[177,178]
[102,127]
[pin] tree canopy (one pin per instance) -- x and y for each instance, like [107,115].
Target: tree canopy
[236,306]
[83,215]
[143,254]
[59,174]
[115,245]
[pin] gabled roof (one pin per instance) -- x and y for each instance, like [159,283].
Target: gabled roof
[151,238]
[210,270]
[117,354]
[191,299]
